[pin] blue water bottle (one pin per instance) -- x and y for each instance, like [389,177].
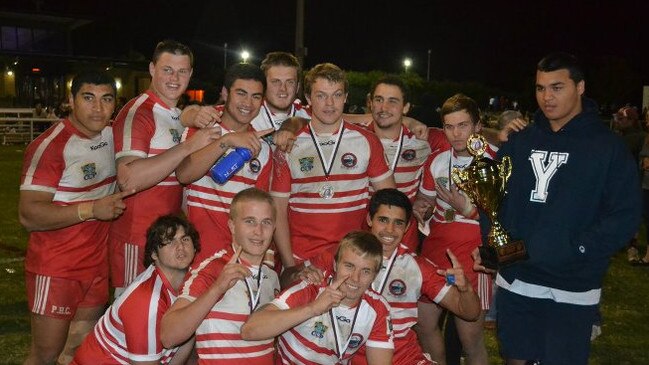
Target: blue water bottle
[228,165]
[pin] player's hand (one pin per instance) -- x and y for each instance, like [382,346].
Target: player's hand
[206,116]
[330,297]
[419,129]
[456,198]
[231,273]
[111,206]
[311,274]
[284,140]
[477,262]
[455,275]
[515,125]
[250,140]
[203,137]
[422,210]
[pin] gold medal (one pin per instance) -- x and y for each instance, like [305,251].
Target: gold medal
[449,215]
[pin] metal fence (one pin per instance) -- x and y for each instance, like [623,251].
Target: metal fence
[18,126]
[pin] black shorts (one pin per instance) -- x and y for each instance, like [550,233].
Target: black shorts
[542,329]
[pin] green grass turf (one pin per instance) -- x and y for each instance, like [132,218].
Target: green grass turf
[625,303]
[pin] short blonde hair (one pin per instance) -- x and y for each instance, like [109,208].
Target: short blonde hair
[363,243]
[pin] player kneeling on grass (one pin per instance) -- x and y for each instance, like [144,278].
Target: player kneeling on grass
[328,322]
[128,331]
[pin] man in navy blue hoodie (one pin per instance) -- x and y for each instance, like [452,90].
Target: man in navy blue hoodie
[574,199]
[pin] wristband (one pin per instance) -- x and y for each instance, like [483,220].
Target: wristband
[84,211]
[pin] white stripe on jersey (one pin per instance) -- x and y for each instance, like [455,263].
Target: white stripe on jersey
[128,124]
[39,153]
[130,262]
[42,291]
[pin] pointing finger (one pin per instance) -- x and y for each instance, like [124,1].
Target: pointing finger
[454,261]
[236,255]
[340,279]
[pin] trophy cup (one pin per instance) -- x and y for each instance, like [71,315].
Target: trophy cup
[484,182]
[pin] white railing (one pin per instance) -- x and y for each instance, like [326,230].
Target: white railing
[17,125]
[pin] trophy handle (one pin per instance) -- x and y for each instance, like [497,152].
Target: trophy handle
[505,171]
[459,177]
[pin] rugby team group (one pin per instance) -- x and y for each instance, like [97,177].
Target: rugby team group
[341,240]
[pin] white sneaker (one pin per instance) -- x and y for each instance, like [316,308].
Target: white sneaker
[595,332]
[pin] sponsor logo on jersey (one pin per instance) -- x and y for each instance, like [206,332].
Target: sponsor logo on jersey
[98,146]
[319,330]
[343,319]
[306,164]
[175,135]
[409,155]
[349,160]
[255,165]
[355,340]
[89,171]
[397,287]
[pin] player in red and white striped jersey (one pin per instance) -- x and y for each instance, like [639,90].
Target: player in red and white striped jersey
[208,202]
[403,277]
[322,186]
[66,184]
[147,151]
[328,322]
[453,226]
[128,333]
[221,293]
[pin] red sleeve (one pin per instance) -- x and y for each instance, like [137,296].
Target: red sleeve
[437,140]
[432,282]
[134,132]
[427,180]
[382,329]
[325,260]
[43,164]
[299,294]
[377,165]
[201,279]
[140,318]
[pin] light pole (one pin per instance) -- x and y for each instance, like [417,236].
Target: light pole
[244,56]
[428,69]
[407,63]
[225,56]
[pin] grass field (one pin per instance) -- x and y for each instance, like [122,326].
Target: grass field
[625,309]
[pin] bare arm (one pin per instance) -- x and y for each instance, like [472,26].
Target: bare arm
[183,353]
[378,356]
[194,166]
[199,116]
[270,321]
[37,212]
[282,232]
[183,318]
[309,274]
[136,173]
[362,119]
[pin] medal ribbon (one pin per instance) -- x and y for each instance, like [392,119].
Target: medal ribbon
[269,114]
[254,299]
[341,350]
[396,155]
[326,165]
[388,269]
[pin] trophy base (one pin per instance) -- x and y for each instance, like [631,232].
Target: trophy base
[495,257]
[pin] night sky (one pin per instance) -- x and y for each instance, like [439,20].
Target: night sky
[493,42]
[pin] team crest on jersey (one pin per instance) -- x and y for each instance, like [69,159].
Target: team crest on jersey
[306,164]
[89,171]
[409,155]
[349,160]
[175,135]
[355,340]
[319,330]
[442,181]
[397,287]
[255,165]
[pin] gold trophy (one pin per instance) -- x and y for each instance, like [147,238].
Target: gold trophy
[484,182]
